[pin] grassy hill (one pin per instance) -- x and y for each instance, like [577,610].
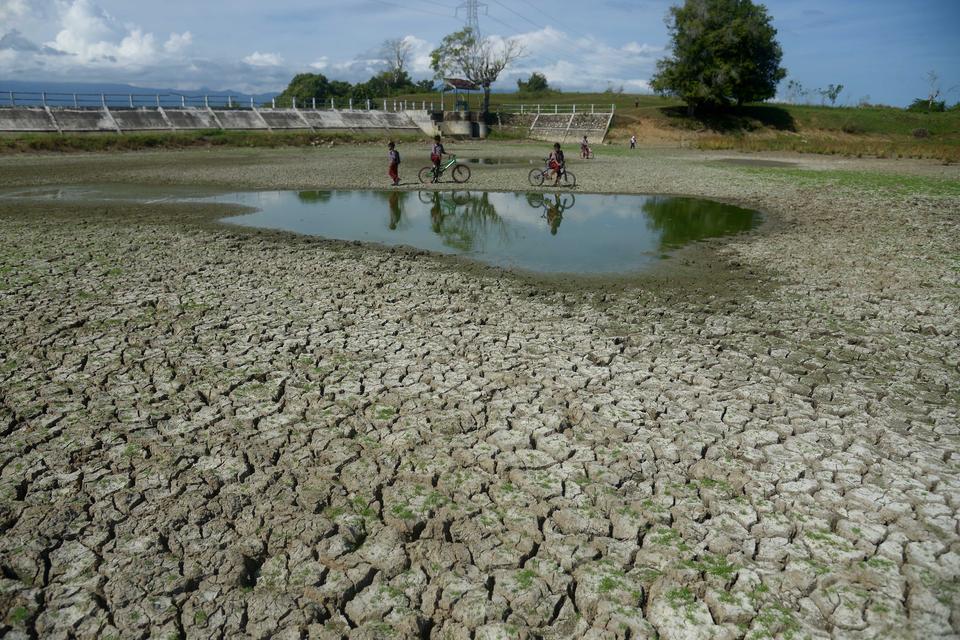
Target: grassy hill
[885,132]
[857,131]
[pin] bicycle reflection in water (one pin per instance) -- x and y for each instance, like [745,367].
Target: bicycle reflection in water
[553,207]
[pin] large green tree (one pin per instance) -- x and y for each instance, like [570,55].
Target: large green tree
[308,86]
[724,51]
[479,60]
[537,84]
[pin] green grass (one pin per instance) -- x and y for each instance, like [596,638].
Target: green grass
[89,142]
[897,184]
[853,131]
[19,614]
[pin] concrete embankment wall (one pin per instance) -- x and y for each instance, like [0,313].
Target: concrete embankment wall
[552,127]
[55,119]
[560,127]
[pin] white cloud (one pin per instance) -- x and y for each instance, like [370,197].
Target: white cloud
[257,59]
[79,40]
[583,63]
[94,38]
[11,9]
[177,42]
[419,57]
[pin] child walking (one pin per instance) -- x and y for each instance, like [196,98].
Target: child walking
[394,170]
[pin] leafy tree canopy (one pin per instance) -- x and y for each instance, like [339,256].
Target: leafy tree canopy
[479,60]
[724,51]
[537,84]
[306,87]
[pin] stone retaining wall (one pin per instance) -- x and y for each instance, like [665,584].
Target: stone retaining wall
[58,120]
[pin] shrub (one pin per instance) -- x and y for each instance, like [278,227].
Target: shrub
[853,128]
[927,105]
[921,133]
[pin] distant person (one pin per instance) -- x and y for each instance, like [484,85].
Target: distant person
[436,155]
[556,163]
[584,148]
[394,170]
[633,141]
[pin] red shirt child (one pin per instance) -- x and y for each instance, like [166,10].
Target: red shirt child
[394,170]
[437,152]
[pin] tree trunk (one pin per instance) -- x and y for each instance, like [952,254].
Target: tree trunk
[486,98]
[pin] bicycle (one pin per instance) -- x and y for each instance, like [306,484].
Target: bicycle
[561,201]
[537,176]
[459,173]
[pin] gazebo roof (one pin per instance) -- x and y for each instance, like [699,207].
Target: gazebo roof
[460,84]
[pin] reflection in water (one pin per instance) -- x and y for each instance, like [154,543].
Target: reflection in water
[604,234]
[461,219]
[314,196]
[684,220]
[553,206]
[394,210]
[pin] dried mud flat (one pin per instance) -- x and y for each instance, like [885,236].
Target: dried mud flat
[210,432]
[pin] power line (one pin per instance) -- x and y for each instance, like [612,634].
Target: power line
[440,4]
[399,6]
[513,29]
[565,28]
[538,26]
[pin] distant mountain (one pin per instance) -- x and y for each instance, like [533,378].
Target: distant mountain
[96,88]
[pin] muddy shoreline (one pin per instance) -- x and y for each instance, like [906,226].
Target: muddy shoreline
[209,430]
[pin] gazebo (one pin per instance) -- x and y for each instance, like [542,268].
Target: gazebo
[461,89]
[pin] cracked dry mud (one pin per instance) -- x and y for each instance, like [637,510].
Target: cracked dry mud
[210,432]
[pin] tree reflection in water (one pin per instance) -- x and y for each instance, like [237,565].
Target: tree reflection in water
[461,218]
[684,220]
[314,196]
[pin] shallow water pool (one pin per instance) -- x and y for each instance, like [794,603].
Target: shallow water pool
[559,232]
[552,233]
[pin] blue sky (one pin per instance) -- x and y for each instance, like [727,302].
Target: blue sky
[880,50]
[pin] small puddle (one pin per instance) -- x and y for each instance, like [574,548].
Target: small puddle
[558,232]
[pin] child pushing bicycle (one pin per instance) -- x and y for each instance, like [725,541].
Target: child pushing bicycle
[436,155]
[556,162]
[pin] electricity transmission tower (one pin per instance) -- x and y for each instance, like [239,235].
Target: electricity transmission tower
[472,9]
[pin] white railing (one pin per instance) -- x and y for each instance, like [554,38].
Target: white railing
[547,109]
[182,101]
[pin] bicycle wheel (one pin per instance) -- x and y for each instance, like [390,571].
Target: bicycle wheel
[568,179]
[460,198]
[461,173]
[535,200]
[567,200]
[426,175]
[536,177]
[426,197]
